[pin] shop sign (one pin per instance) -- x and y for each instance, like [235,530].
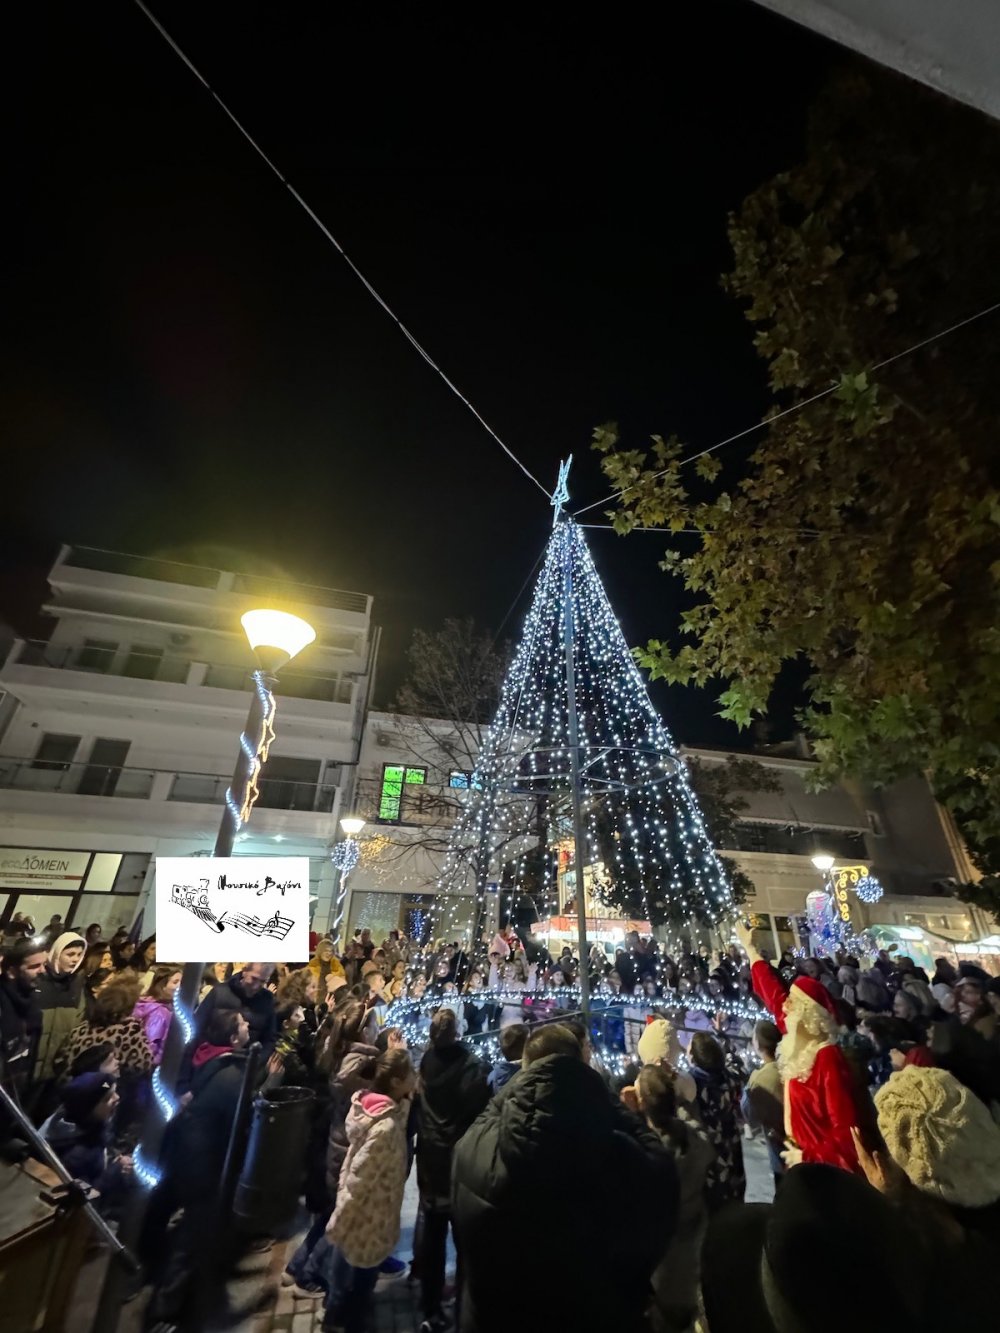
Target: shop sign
[33,868]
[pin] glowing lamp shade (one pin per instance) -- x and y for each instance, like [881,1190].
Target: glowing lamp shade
[352,825]
[276,636]
[822,861]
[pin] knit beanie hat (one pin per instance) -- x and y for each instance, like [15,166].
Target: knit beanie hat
[83,1093]
[658,1042]
[815,990]
[941,1135]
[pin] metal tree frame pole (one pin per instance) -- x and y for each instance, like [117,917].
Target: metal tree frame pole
[579,833]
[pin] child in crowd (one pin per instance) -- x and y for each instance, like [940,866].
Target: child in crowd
[512,1041]
[364,1228]
[81,1132]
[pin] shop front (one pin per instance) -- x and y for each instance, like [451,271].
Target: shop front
[79,885]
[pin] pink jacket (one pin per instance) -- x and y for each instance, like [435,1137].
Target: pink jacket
[155,1018]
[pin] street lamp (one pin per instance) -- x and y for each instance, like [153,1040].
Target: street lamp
[823,862]
[275,637]
[345,857]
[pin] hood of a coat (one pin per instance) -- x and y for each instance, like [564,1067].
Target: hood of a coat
[552,1116]
[443,1069]
[62,942]
[361,1118]
[146,1005]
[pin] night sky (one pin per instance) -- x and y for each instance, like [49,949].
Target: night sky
[190,369]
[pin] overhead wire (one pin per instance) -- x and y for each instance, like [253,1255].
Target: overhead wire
[795,407]
[337,246]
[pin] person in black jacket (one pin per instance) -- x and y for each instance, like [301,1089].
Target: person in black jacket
[20,1014]
[453,1091]
[247,993]
[555,1132]
[194,1158]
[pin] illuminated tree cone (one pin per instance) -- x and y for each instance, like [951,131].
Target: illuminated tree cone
[648,853]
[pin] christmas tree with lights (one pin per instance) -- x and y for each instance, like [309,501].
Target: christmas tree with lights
[622,791]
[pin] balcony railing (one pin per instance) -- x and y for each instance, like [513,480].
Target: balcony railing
[139,664]
[142,783]
[275,793]
[203,576]
[77,779]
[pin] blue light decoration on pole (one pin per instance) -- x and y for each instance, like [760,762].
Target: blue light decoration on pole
[345,856]
[577,743]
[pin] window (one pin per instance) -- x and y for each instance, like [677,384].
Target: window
[796,840]
[143,663]
[289,784]
[100,777]
[460,778]
[55,752]
[395,779]
[95,655]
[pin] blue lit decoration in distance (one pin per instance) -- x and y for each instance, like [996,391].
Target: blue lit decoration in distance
[634,783]
[868,889]
[256,748]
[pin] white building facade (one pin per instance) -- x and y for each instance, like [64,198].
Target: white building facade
[119,732]
[412,777]
[900,833]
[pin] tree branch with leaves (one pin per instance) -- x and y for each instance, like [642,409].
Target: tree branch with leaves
[862,537]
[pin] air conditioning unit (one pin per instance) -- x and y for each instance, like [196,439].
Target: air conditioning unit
[383,739]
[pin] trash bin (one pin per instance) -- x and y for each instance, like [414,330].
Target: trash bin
[271,1180]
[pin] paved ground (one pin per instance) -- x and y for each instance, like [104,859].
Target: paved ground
[397,1301]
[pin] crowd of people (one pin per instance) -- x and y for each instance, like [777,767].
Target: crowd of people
[538,1137]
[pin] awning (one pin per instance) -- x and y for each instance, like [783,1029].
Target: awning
[911,941]
[600,929]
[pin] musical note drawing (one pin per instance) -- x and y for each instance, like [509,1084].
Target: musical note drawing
[276,927]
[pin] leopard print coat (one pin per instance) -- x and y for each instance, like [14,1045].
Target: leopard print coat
[128,1038]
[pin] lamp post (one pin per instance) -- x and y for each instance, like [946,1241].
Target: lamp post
[344,857]
[275,638]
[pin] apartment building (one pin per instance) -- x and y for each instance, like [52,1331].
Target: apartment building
[119,731]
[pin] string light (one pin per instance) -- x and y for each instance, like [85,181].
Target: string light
[345,855]
[149,1177]
[868,889]
[643,827]
[256,748]
[184,1016]
[164,1098]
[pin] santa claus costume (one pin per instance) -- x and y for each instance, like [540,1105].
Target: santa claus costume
[822,1097]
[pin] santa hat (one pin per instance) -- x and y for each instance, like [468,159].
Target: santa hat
[941,1135]
[815,990]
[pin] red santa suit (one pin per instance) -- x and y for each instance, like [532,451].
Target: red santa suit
[820,1108]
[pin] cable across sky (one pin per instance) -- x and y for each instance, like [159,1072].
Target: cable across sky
[338,247]
[425,355]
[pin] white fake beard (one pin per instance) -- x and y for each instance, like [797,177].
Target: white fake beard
[797,1051]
